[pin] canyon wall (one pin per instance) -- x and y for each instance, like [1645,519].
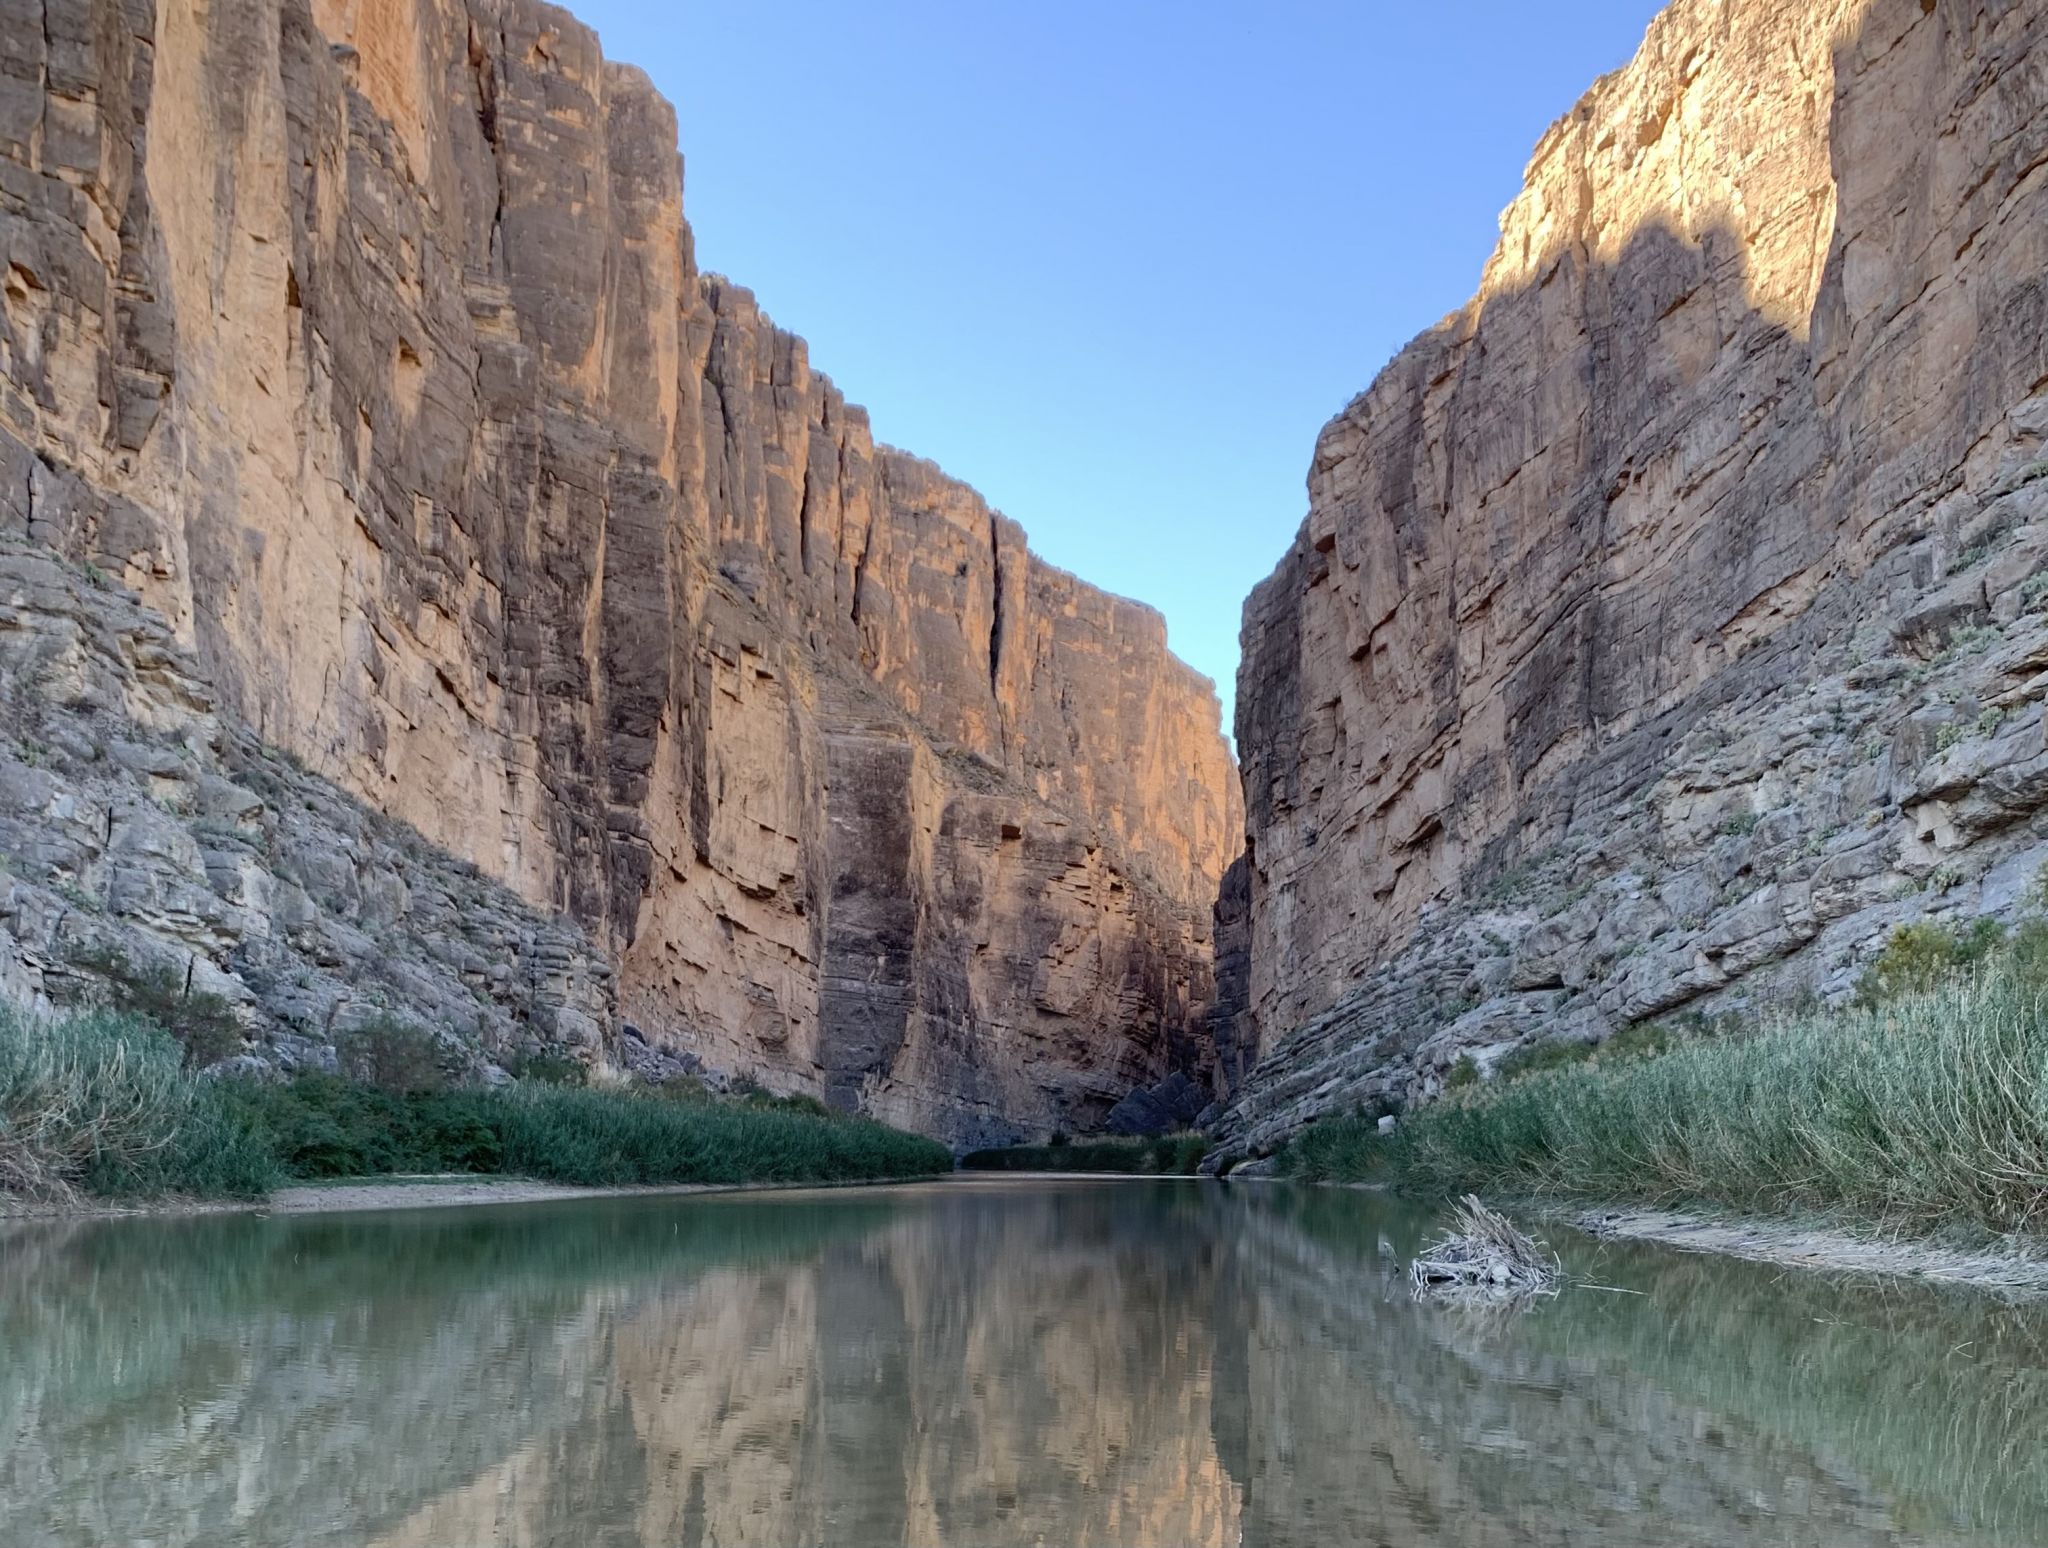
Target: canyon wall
[1666,627]
[363,340]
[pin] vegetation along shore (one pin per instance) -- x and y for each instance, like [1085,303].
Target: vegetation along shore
[104,1106]
[1166,1155]
[1921,1108]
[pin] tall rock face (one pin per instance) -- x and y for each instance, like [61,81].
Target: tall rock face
[365,341]
[1664,628]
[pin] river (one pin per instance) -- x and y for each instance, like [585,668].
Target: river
[976,1364]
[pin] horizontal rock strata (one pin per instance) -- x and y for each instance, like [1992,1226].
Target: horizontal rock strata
[146,836]
[1666,626]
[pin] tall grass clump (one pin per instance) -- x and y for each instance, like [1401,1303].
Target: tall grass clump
[99,1103]
[1919,1111]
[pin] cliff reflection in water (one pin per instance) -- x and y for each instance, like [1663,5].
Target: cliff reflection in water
[974,1364]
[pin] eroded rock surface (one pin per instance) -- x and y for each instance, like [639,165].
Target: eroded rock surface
[145,833]
[365,341]
[1667,623]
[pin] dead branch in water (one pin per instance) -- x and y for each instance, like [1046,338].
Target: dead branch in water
[1486,1255]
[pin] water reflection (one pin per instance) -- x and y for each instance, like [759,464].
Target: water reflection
[1001,1363]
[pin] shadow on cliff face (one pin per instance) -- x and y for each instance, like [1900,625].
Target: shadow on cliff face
[1576,708]
[1591,510]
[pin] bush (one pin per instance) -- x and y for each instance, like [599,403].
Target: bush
[327,1126]
[1167,1155]
[392,1055]
[204,1024]
[1920,956]
[102,1103]
[628,1137]
[1336,1150]
[548,1069]
[1927,1109]
[766,1101]
[1632,1042]
[322,1126]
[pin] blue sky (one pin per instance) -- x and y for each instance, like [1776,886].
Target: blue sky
[1114,263]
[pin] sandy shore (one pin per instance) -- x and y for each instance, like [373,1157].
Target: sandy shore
[441,1192]
[2014,1270]
[419,1192]
[454,1189]
[1824,1249]
[450,1192]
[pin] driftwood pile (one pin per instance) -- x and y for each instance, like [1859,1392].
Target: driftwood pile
[1485,1256]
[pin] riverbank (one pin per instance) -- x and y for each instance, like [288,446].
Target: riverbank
[455,1190]
[1164,1155]
[2010,1267]
[99,1110]
[1906,1124]
[447,1191]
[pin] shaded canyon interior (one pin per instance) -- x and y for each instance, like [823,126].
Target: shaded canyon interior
[424,592]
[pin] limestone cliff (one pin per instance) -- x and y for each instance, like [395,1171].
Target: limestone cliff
[1666,625]
[364,340]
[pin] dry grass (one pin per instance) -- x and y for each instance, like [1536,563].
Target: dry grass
[1927,1112]
[1485,1255]
[104,1105]
[101,1103]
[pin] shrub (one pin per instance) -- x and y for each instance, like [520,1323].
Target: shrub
[1920,956]
[810,1106]
[1551,1055]
[392,1055]
[2027,950]
[1166,1155]
[629,1137]
[1638,1041]
[684,1088]
[103,1103]
[1336,1150]
[328,1126]
[100,1103]
[548,1069]
[204,1024]
[323,1126]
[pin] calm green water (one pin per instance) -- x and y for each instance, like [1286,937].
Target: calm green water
[976,1363]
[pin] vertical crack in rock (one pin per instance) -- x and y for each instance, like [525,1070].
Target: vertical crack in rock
[995,617]
[860,572]
[483,75]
